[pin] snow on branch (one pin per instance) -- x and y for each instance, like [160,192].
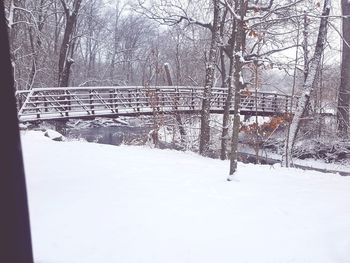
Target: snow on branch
[65,8]
[256,7]
[254,56]
[274,10]
[160,14]
[231,9]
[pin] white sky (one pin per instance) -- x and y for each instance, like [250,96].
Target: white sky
[331,56]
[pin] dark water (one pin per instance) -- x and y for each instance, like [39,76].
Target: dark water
[115,135]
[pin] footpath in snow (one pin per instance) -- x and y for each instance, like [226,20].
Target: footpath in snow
[92,203]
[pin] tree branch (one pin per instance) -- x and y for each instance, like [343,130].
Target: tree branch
[65,8]
[256,7]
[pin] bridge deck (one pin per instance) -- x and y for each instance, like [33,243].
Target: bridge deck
[90,102]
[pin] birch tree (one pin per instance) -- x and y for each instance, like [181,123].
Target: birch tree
[239,49]
[309,84]
[204,140]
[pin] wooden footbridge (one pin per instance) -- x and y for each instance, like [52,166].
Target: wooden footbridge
[89,102]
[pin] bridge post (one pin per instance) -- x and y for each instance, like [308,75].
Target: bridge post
[111,99]
[263,102]
[177,98]
[287,103]
[129,96]
[91,98]
[67,99]
[158,93]
[192,98]
[45,105]
[222,97]
[274,103]
[138,91]
[218,97]
[20,102]
[115,101]
[36,106]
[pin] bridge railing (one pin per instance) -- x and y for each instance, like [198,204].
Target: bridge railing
[21,96]
[56,103]
[268,102]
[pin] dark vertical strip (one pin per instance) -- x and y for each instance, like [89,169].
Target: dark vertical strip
[15,239]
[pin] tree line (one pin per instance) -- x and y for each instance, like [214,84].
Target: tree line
[235,44]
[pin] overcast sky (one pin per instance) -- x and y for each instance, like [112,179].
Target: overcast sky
[332,55]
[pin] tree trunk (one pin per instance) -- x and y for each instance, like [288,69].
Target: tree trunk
[344,89]
[33,70]
[309,84]
[204,140]
[64,62]
[306,45]
[177,114]
[16,245]
[66,73]
[227,106]
[226,114]
[64,51]
[35,44]
[239,85]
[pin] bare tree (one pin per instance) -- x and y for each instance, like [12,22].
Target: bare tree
[309,83]
[255,40]
[239,49]
[227,106]
[204,140]
[344,89]
[65,61]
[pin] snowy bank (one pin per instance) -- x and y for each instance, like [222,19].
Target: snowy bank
[101,203]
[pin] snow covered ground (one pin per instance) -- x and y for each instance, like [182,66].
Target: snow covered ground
[312,163]
[100,203]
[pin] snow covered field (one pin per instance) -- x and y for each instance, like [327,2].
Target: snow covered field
[105,204]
